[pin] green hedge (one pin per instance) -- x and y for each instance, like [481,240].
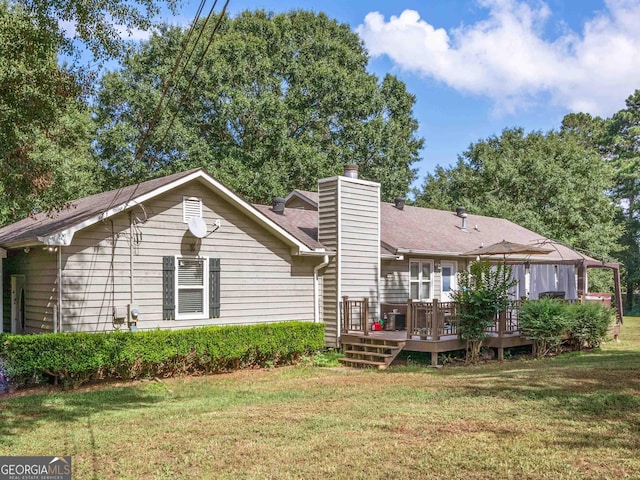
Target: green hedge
[75,358]
[552,324]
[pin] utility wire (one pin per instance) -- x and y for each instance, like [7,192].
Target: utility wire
[169,81]
[154,119]
[195,73]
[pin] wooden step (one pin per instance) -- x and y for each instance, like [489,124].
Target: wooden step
[370,355]
[363,347]
[353,362]
[371,352]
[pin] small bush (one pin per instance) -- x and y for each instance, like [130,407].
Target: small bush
[74,358]
[544,321]
[590,323]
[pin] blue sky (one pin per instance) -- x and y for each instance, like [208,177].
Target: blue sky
[479,66]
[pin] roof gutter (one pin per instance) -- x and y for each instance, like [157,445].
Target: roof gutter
[431,253]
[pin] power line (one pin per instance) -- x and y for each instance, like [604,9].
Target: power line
[195,73]
[169,80]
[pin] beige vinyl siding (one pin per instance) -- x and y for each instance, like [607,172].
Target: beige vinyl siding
[297,202]
[396,288]
[437,282]
[349,223]
[328,236]
[360,241]
[40,291]
[260,281]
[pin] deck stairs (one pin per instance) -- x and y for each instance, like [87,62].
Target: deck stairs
[371,352]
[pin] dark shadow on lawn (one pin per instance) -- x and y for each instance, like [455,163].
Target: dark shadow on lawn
[23,413]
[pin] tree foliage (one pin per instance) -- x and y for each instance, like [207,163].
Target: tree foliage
[45,124]
[98,24]
[483,291]
[620,144]
[44,128]
[278,102]
[554,184]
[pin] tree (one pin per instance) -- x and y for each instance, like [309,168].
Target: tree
[278,102]
[483,291]
[97,23]
[45,125]
[41,117]
[621,146]
[553,184]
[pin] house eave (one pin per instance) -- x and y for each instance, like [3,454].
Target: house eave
[65,237]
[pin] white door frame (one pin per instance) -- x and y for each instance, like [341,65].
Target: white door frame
[17,302]
[446,296]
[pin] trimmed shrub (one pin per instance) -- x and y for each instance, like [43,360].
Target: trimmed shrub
[590,323]
[75,358]
[544,321]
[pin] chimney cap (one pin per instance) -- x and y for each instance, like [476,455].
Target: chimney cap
[351,170]
[461,212]
[399,202]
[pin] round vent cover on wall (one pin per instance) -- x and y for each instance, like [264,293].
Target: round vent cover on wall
[197,227]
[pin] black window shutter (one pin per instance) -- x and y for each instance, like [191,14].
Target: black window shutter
[168,288]
[214,288]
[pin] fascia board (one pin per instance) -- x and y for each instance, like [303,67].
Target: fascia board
[64,237]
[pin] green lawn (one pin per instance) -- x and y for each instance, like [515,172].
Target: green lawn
[576,416]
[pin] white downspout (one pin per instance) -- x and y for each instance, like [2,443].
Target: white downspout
[316,288]
[59,316]
[131,285]
[3,254]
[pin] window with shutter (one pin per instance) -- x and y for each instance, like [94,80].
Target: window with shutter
[191,288]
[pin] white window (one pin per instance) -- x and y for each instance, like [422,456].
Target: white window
[191,207]
[192,287]
[421,279]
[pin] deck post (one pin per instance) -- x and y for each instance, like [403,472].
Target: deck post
[364,317]
[346,313]
[502,322]
[409,319]
[435,322]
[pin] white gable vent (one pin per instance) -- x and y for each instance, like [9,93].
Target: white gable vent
[191,207]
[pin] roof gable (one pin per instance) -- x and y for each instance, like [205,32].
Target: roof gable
[59,227]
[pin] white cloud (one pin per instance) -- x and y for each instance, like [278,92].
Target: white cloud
[506,57]
[134,34]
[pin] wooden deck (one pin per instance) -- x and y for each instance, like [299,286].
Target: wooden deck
[427,327]
[446,343]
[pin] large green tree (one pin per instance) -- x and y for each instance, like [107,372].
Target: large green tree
[550,183]
[278,102]
[620,144]
[41,119]
[45,123]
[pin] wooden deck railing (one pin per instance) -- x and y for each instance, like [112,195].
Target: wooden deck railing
[432,319]
[355,315]
[426,320]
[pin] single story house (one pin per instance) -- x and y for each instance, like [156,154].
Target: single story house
[186,251]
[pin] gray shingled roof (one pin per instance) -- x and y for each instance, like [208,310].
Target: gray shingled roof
[302,224]
[42,224]
[439,232]
[411,230]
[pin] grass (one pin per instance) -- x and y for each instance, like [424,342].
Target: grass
[570,417]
